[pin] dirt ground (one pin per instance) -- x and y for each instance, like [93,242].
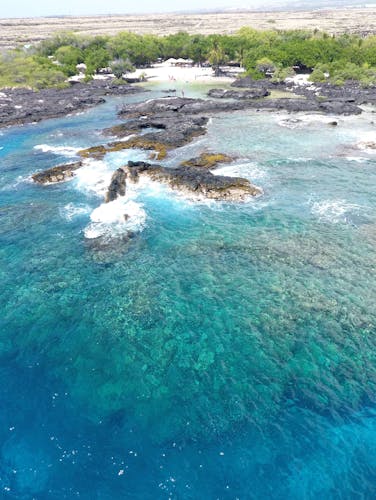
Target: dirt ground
[15,32]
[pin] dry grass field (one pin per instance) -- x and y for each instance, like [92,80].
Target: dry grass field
[15,32]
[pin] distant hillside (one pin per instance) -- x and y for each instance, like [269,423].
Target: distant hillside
[298,5]
[16,32]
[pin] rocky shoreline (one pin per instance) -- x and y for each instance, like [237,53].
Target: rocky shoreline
[20,105]
[349,93]
[164,124]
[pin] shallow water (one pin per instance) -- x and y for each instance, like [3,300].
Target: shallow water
[224,351]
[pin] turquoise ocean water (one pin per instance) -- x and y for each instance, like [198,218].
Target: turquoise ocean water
[225,351]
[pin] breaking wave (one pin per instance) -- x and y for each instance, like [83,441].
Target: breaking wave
[68,151]
[334,211]
[116,218]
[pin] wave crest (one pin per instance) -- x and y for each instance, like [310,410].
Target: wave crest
[334,211]
[116,218]
[68,151]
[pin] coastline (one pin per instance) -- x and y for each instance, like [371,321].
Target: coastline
[19,106]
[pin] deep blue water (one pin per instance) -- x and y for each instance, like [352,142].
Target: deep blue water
[225,351]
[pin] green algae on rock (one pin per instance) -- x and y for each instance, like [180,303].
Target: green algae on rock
[207,160]
[99,152]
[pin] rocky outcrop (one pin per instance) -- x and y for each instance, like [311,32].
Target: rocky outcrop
[166,133]
[296,105]
[160,125]
[194,181]
[117,185]
[165,128]
[256,93]
[159,150]
[133,127]
[94,152]
[20,105]
[350,91]
[207,160]
[59,173]
[179,106]
[337,99]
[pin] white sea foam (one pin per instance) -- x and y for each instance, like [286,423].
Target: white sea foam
[335,211]
[290,123]
[127,137]
[116,218]
[357,159]
[248,170]
[117,159]
[93,177]
[57,150]
[72,210]
[305,119]
[183,197]
[368,144]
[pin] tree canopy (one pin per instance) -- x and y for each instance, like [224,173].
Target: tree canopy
[268,53]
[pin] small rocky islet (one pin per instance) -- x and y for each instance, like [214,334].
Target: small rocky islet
[187,180]
[60,173]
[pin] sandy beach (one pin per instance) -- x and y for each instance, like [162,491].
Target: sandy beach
[164,72]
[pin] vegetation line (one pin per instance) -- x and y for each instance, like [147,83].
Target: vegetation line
[272,53]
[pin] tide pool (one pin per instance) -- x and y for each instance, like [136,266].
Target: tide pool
[226,350]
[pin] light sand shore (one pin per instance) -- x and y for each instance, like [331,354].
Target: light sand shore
[164,72]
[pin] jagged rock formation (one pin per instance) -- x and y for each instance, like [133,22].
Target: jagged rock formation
[255,93]
[194,181]
[117,186]
[59,173]
[184,106]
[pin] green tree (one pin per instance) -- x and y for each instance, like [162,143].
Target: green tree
[18,69]
[95,59]
[265,66]
[121,67]
[198,49]
[69,56]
